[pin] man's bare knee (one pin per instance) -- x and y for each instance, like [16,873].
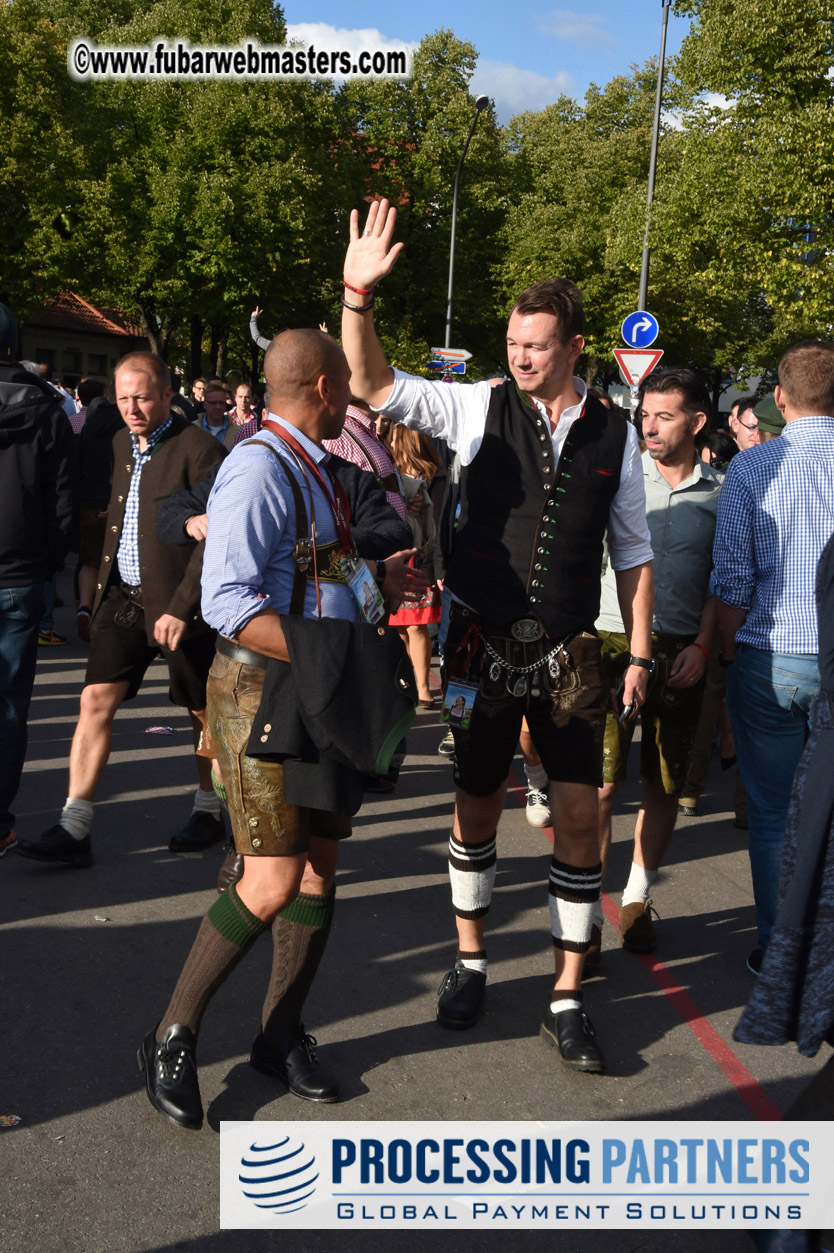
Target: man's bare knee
[100,701]
[476,817]
[576,810]
[320,868]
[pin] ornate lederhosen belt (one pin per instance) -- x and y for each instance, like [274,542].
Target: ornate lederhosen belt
[521,652]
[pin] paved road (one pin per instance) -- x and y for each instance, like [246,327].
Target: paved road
[89,958]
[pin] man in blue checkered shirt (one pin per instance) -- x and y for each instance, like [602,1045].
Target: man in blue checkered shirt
[775,516]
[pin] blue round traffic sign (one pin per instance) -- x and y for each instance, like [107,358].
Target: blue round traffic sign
[640,329]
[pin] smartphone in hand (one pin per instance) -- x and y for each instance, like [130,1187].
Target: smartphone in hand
[625,713]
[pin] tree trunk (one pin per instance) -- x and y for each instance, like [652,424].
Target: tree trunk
[222,353]
[591,370]
[214,347]
[150,325]
[196,362]
[158,331]
[716,392]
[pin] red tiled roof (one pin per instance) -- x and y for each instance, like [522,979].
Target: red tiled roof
[68,312]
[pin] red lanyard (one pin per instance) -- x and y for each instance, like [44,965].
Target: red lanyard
[338,499]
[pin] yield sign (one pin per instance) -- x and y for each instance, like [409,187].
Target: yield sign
[636,363]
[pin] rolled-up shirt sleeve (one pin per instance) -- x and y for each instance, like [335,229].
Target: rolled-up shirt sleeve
[451,411]
[733,556]
[242,542]
[629,540]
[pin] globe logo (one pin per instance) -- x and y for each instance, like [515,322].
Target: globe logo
[279,1177]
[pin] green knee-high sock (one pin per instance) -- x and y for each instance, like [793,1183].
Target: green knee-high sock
[226,935]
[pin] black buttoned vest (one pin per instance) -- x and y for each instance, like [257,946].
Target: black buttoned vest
[530,535]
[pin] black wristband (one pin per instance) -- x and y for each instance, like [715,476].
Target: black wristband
[647,663]
[359,308]
[380,573]
[724,662]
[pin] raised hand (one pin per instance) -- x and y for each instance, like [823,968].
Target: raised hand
[371,255]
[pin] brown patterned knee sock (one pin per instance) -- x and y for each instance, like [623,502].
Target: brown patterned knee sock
[226,935]
[299,937]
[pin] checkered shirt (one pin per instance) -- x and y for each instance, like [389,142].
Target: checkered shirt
[775,516]
[128,554]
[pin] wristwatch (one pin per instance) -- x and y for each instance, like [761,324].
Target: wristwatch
[380,573]
[648,663]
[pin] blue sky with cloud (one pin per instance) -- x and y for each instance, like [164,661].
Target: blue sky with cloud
[527,57]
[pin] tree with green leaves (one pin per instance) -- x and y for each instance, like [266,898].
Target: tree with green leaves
[762,154]
[577,174]
[403,141]
[185,202]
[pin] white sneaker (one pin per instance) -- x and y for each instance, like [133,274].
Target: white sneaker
[538,808]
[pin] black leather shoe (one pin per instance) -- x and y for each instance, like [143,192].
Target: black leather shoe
[298,1068]
[572,1033]
[201,831]
[171,1076]
[57,845]
[460,997]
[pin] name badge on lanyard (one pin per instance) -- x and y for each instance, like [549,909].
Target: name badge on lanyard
[363,586]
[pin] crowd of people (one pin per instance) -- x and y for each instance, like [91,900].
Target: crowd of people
[296,552]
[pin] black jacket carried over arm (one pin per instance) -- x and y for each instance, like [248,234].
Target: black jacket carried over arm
[38,479]
[336,712]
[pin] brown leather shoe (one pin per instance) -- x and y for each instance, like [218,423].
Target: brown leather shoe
[636,927]
[593,957]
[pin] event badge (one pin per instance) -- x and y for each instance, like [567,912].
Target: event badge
[365,591]
[458,702]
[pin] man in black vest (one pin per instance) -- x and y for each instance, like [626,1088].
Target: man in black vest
[546,470]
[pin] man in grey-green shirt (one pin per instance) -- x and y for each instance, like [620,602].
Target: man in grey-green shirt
[681,504]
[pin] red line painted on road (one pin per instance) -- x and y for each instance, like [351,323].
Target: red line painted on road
[725,1059]
[736,1073]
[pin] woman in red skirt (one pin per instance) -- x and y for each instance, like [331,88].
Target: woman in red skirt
[423,480]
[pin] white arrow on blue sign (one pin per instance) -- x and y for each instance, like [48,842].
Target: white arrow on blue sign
[640,329]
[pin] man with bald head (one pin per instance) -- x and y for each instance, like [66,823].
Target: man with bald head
[259,565]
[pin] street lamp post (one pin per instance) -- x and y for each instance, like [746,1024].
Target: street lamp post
[644,264]
[480,104]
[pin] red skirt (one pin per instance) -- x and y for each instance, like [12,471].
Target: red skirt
[418,612]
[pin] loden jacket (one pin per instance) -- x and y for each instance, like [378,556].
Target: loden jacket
[170,575]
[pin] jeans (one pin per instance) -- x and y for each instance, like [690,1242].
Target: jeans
[769,696]
[48,611]
[20,612]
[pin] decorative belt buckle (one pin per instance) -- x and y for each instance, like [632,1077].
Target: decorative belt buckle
[527,630]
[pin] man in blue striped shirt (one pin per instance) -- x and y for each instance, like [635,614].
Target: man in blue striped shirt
[775,516]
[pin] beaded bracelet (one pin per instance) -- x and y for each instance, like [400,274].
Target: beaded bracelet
[358,308]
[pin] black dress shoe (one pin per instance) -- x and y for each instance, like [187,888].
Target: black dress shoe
[298,1068]
[460,997]
[57,845]
[572,1033]
[171,1076]
[201,831]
